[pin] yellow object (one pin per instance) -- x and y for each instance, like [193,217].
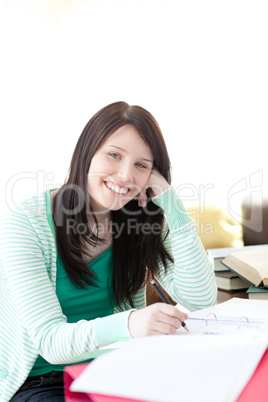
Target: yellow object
[216,228]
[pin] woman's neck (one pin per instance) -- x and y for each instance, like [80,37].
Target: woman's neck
[101,226]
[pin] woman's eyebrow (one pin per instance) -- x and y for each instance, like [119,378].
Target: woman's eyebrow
[122,149]
[116,146]
[147,160]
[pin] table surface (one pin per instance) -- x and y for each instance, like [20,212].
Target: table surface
[224,295]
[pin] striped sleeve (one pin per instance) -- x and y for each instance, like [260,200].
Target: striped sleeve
[27,255]
[190,280]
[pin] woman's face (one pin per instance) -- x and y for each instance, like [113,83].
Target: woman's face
[119,169]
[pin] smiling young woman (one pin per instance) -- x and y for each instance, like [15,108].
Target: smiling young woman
[75,261]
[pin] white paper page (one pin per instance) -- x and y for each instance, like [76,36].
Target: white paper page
[224,251]
[238,309]
[217,328]
[176,368]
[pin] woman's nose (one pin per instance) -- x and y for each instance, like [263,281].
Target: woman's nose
[125,172]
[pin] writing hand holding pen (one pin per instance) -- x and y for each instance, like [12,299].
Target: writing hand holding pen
[165,300]
[156,319]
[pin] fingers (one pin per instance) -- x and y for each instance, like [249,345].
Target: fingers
[159,318]
[172,311]
[142,199]
[170,319]
[157,184]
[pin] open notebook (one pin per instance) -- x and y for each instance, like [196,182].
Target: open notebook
[176,369]
[233,316]
[203,367]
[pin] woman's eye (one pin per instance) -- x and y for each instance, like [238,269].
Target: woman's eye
[114,155]
[141,165]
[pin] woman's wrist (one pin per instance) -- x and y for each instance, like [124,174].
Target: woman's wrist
[161,193]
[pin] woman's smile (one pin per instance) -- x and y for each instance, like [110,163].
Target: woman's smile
[116,188]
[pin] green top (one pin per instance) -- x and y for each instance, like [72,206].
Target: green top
[80,304]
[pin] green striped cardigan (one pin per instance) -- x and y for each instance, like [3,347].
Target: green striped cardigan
[31,319]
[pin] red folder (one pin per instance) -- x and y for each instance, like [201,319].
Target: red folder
[70,374]
[255,390]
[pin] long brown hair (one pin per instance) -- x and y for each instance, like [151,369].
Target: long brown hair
[135,250]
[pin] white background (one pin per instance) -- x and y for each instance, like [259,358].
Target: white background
[199,66]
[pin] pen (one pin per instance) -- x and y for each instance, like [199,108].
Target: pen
[163,297]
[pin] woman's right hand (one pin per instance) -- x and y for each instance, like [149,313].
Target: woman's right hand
[156,319]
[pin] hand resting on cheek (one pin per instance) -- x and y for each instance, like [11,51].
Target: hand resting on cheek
[156,185]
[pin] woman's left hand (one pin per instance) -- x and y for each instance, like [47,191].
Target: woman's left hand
[156,185]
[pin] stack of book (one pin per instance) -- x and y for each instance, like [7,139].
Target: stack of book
[242,268]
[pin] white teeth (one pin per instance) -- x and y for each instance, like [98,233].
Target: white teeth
[117,189]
